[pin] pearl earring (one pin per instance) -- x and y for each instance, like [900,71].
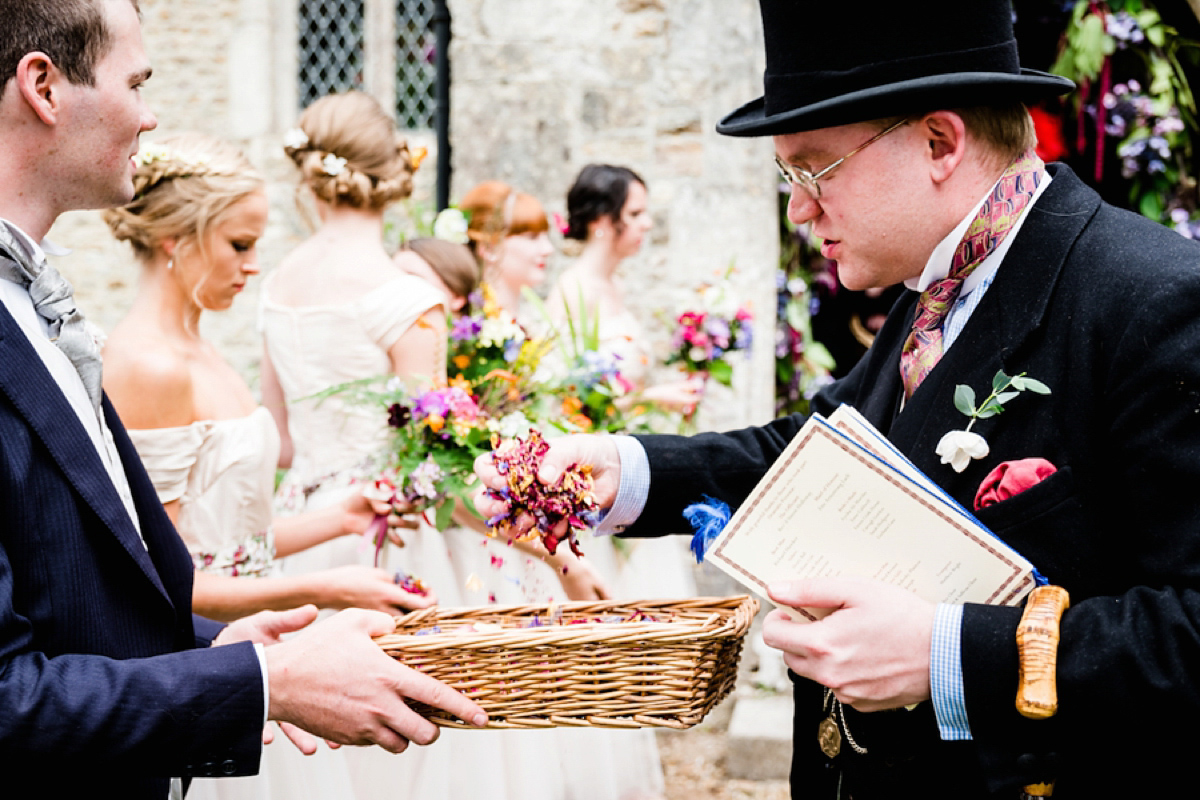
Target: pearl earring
[599,234]
[170,263]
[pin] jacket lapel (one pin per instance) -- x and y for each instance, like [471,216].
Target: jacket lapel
[27,383]
[1014,307]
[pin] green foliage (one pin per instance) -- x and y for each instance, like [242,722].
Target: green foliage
[1004,389]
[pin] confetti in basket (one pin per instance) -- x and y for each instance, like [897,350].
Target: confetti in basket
[651,663]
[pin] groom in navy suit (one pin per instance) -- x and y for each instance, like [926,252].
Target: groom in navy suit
[106,677]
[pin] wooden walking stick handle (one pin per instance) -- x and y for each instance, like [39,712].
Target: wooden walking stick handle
[1037,647]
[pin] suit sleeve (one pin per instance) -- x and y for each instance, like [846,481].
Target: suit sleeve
[206,630]
[722,465]
[191,712]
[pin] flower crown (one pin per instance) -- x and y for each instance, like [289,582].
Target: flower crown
[155,153]
[175,165]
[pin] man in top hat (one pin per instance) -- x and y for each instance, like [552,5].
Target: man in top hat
[905,139]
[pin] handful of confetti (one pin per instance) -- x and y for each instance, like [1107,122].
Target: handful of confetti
[410,584]
[569,499]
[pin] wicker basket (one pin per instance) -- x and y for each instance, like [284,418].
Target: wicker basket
[665,673]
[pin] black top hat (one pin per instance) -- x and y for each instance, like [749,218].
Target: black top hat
[829,65]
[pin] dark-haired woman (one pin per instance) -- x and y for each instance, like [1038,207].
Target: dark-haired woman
[607,211]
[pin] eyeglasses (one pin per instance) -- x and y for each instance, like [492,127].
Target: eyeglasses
[796,176]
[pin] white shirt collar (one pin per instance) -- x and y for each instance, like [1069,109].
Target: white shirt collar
[38,250]
[938,265]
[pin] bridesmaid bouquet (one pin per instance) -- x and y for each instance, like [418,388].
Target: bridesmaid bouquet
[493,357]
[589,392]
[703,339]
[586,385]
[435,436]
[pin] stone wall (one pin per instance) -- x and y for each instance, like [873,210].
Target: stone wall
[540,88]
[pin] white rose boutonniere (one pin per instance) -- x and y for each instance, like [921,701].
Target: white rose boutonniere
[959,448]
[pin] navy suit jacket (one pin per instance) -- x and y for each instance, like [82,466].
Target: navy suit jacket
[105,677]
[1104,307]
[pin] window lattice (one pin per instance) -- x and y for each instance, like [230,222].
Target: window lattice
[331,47]
[416,67]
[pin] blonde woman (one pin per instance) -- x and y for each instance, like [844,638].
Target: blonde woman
[210,449]
[337,309]
[209,446]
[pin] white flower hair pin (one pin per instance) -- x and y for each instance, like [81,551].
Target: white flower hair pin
[333,165]
[958,448]
[295,139]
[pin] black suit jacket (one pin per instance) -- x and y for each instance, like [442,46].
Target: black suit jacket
[105,677]
[1104,307]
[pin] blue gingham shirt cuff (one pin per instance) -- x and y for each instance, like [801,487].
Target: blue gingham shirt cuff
[945,674]
[633,489]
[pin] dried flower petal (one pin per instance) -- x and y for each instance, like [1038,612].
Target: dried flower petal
[570,499]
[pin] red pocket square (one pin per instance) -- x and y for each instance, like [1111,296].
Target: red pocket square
[1011,478]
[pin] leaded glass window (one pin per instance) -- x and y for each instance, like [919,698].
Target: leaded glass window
[331,47]
[416,64]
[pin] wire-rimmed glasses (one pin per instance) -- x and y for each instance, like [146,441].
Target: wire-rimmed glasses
[808,181]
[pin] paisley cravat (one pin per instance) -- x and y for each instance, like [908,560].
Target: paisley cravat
[996,217]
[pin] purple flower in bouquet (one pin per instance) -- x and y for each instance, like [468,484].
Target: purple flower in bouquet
[424,482]
[431,403]
[465,328]
[718,331]
[512,349]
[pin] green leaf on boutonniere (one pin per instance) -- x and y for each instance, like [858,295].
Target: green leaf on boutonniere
[1036,386]
[1004,388]
[964,399]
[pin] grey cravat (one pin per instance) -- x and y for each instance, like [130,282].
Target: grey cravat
[54,300]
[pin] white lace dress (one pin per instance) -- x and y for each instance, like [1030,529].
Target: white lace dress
[223,473]
[313,348]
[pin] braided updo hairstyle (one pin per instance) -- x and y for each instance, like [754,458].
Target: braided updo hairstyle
[354,155]
[599,191]
[182,187]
